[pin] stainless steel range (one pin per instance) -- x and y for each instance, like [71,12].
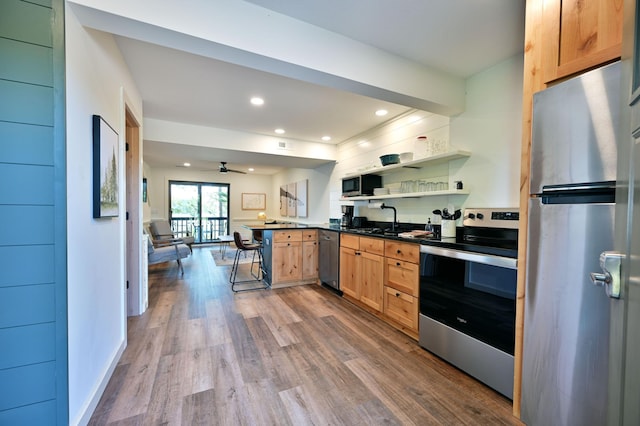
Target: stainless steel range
[468,296]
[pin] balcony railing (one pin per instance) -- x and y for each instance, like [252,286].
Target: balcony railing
[205,230]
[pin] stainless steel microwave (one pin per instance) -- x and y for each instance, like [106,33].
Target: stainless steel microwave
[360,185]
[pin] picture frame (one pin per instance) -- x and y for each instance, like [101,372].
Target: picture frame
[105,169]
[284,200]
[254,201]
[291,200]
[144,190]
[301,197]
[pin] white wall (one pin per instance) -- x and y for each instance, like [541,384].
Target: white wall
[158,192]
[95,77]
[490,128]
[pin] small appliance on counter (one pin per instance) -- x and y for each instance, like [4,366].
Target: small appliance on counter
[359,222]
[347,217]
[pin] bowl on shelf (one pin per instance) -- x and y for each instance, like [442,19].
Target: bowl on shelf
[405,157]
[380,191]
[389,159]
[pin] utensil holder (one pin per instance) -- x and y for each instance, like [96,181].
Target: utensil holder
[448,228]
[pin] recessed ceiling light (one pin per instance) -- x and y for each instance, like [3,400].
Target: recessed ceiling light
[257,101]
[381,112]
[251,169]
[326,138]
[279,131]
[187,164]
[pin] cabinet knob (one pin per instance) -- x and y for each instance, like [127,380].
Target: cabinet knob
[397,263]
[398,251]
[397,294]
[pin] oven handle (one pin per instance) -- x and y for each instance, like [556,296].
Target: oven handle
[487,259]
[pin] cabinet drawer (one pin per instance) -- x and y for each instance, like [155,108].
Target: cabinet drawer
[401,307]
[350,241]
[286,236]
[310,235]
[403,276]
[372,245]
[402,251]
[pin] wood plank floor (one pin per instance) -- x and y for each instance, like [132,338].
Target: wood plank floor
[202,355]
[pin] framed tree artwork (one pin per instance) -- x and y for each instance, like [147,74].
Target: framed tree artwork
[105,169]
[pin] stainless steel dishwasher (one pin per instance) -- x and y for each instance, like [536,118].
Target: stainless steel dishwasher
[329,263]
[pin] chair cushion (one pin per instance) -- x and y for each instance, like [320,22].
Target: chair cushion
[160,227]
[168,253]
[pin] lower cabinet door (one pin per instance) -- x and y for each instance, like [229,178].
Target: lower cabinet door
[372,282]
[287,262]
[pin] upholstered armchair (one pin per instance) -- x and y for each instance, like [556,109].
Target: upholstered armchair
[168,250]
[161,231]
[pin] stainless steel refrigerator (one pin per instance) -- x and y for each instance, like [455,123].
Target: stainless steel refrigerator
[571,218]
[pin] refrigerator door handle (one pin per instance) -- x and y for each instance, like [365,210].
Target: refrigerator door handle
[610,277]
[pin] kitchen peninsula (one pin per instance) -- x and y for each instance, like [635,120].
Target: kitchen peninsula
[378,273]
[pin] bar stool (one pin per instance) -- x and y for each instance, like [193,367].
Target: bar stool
[243,248]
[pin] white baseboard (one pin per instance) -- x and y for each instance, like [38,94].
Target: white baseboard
[93,402]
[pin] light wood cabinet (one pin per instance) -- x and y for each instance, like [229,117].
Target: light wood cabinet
[401,284]
[310,255]
[350,271]
[372,275]
[292,256]
[362,270]
[578,35]
[287,265]
[401,307]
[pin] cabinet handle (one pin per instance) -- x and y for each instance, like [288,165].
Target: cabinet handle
[398,251]
[397,294]
[397,263]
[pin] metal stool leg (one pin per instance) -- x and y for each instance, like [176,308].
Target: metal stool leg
[257,278]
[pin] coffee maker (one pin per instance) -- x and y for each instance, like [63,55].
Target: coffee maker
[347,217]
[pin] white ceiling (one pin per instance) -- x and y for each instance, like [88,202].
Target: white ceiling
[458,37]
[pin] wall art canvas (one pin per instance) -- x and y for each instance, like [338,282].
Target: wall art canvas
[254,201]
[301,197]
[284,200]
[105,169]
[291,197]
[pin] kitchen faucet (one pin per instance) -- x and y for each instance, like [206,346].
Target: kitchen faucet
[393,224]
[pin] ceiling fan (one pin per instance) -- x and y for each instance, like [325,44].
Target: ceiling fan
[223,169]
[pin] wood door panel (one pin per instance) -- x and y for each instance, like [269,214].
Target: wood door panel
[371,292]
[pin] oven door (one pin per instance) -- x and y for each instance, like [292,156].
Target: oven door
[467,312]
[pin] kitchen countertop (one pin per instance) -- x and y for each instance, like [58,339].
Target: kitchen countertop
[451,243]
[330,227]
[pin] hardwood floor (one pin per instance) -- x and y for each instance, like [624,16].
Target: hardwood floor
[202,355]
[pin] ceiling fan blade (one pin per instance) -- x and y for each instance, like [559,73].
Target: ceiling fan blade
[224,169]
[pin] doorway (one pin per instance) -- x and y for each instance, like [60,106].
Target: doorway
[200,209]
[136,287]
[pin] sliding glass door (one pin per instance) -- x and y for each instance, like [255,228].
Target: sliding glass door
[199,209]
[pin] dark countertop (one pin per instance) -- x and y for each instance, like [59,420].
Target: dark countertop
[452,243]
[326,226]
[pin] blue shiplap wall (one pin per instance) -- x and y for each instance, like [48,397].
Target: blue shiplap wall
[33,324]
